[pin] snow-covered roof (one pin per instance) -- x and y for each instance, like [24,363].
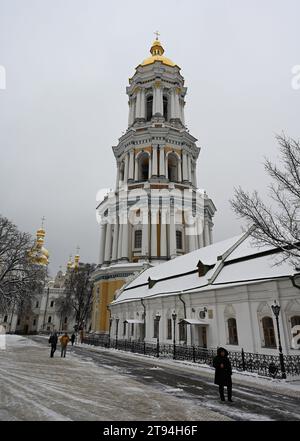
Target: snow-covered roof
[230,262]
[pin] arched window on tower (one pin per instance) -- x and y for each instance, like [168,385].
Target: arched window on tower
[149,107]
[144,167]
[173,168]
[232,331]
[269,333]
[165,106]
[179,244]
[138,239]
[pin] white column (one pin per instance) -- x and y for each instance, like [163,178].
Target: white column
[115,240]
[131,164]
[173,250]
[153,234]
[102,243]
[194,181]
[177,109]
[150,168]
[173,114]
[184,167]
[159,103]
[131,112]
[210,233]
[179,171]
[166,167]
[126,169]
[143,104]
[145,241]
[138,104]
[189,168]
[200,233]
[118,176]
[120,241]
[162,161]
[125,234]
[136,169]
[163,234]
[154,160]
[182,112]
[107,254]
[206,232]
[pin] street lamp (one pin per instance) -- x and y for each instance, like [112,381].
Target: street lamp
[117,326]
[174,317]
[110,323]
[157,318]
[276,311]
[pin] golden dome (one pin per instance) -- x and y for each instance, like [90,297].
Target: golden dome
[157,55]
[38,254]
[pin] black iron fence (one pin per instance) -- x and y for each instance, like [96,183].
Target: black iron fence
[266,365]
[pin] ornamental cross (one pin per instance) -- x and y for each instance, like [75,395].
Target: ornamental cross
[77,249]
[43,219]
[157,34]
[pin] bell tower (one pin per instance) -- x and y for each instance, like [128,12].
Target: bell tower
[155,212]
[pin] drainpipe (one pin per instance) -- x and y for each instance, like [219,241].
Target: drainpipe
[143,304]
[184,309]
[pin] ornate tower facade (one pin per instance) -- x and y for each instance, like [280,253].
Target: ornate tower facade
[155,212]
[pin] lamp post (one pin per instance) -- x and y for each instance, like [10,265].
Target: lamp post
[174,317]
[276,311]
[117,326]
[110,323]
[157,318]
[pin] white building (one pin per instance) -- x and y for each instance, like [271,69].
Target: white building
[221,295]
[155,212]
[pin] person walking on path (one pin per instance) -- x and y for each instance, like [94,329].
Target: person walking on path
[53,341]
[223,373]
[64,340]
[73,337]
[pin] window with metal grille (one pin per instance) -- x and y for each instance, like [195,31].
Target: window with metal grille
[169,329]
[138,239]
[269,333]
[232,331]
[179,240]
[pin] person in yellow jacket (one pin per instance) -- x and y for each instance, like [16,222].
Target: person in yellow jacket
[64,340]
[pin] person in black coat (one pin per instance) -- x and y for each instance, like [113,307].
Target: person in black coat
[53,341]
[73,338]
[223,373]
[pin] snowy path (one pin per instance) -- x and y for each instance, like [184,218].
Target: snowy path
[35,387]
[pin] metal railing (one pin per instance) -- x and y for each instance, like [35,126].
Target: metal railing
[266,365]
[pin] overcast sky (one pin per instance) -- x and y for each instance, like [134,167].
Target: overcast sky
[67,65]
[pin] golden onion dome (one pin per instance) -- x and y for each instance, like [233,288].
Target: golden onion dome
[38,254]
[157,52]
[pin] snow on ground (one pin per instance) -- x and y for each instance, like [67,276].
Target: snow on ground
[34,386]
[290,387]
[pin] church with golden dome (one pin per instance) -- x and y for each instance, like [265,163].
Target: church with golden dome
[156,212]
[43,313]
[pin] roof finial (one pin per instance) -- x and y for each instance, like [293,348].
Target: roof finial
[77,249]
[157,34]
